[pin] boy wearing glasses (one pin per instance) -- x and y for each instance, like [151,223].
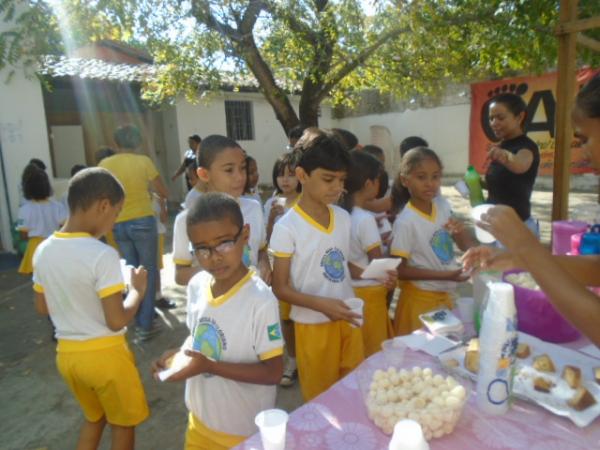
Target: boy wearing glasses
[233,356]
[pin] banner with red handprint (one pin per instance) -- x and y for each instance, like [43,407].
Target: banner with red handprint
[540,95]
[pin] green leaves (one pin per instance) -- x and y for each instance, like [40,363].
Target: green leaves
[324,48]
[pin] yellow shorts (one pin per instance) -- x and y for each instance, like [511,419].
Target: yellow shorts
[325,353]
[199,437]
[284,310]
[102,376]
[414,301]
[26,266]
[377,326]
[161,251]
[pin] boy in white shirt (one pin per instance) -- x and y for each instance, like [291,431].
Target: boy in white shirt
[310,247]
[233,358]
[222,166]
[78,282]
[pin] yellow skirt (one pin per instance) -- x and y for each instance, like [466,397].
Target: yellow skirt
[26,266]
[414,301]
[377,326]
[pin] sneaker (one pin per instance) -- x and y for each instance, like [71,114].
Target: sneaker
[288,379]
[165,303]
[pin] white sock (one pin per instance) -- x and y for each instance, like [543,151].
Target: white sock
[291,363]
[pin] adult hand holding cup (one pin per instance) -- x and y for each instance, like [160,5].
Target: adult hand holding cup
[272,424]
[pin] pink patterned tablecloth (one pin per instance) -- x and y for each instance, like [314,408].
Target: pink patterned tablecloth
[337,420]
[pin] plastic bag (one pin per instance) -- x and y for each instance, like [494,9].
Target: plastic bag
[538,317]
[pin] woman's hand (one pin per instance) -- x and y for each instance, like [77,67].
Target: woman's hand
[499,155]
[458,275]
[506,226]
[487,258]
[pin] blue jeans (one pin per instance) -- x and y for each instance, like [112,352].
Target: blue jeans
[138,242]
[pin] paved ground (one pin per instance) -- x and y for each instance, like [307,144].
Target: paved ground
[37,411]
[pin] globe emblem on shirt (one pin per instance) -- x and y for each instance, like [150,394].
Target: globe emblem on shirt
[333,265]
[442,246]
[207,340]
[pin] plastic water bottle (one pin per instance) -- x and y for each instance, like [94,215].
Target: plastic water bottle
[498,343]
[473,181]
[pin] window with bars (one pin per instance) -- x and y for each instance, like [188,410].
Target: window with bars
[240,123]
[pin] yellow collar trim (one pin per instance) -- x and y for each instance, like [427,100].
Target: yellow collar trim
[67,235]
[217,301]
[313,222]
[431,217]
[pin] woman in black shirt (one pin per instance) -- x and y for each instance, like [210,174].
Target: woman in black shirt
[514,160]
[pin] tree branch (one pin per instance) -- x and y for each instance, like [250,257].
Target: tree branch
[201,11]
[251,15]
[359,59]
[297,26]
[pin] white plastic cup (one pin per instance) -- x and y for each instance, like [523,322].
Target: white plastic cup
[280,201]
[393,352]
[466,308]
[482,236]
[356,306]
[462,189]
[272,424]
[408,435]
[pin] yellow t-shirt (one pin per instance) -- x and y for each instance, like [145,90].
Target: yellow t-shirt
[134,172]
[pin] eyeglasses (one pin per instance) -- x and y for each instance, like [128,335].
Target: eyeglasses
[204,251]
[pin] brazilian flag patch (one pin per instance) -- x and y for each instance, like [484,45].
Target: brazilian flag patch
[274,332]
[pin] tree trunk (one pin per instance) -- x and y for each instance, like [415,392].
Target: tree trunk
[277,97]
[309,110]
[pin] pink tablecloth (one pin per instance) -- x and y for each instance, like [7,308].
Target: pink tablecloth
[337,420]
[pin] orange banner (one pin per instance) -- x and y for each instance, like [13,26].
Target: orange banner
[540,95]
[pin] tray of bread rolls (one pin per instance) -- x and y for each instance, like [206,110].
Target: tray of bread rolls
[561,380]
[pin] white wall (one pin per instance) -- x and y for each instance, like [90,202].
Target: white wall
[446,128]
[23,136]
[269,138]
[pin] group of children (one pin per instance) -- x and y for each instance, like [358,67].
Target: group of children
[249,271]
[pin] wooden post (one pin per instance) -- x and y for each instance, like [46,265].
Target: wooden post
[565,93]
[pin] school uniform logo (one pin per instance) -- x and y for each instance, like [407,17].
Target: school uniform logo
[333,265]
[441,244]
[274,332]
[209,339]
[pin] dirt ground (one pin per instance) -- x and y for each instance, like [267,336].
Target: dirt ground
[38,412]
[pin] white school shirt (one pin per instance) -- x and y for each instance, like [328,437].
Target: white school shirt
[75,272]
[319,257]
[41,218]
[424,242]
[240,326]
[252,214]
[364,237]
[190,197]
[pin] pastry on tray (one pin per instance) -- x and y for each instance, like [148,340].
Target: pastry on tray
[572,375]
[597,374]
[543,363]
[523,351]
[452,363]
[581,400]
[472,356]
[541,384]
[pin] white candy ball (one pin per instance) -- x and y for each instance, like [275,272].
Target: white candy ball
[459,392]
[438,379]
[378,375]
[417,371]
[438,433]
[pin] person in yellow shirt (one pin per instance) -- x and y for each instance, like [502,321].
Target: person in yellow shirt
[135,230]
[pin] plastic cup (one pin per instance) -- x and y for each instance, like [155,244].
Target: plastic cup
[466,308]
[356,306]
[408,435]
[482,236]
[126,272]
[393,352]
[272,425]
[280,201]
[462,188]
